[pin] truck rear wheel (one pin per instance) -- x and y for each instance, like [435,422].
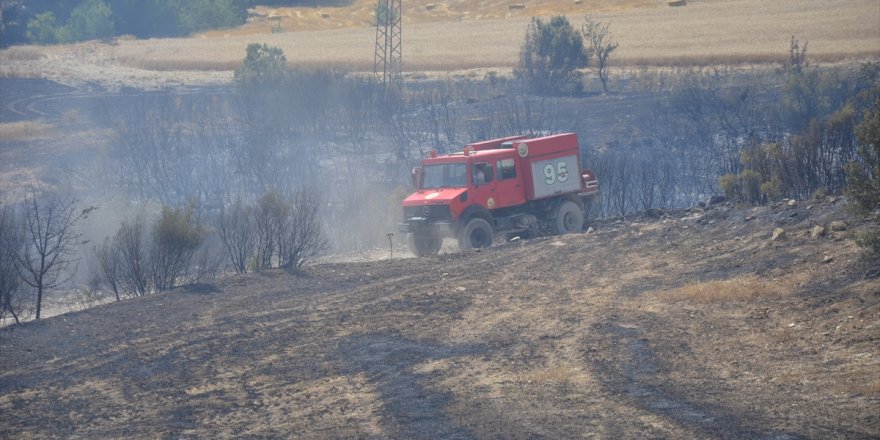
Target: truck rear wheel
[424,244]
[569,218]
[477,233]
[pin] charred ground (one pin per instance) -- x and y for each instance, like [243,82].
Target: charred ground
[689,324]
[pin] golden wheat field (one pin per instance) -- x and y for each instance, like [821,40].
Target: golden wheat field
[652,33]
[469,34]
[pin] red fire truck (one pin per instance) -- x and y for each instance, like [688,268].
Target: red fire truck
[508,185]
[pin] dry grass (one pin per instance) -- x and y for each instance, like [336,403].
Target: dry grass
[708,32]
[738,288]
[25,131]
[459,35]
[557,375]
[21,53]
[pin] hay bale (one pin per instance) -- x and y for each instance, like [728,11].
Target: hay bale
[430,7]
[678,3]
[516,6]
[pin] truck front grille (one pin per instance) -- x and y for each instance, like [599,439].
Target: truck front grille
[430,212]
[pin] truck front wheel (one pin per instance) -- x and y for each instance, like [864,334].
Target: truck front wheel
[477,233]
[424,244]
[569,218]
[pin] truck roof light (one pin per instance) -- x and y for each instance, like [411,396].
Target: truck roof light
[467,150]
[433,153]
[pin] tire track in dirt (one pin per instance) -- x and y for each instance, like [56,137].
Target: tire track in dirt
[413,410]
[630,374]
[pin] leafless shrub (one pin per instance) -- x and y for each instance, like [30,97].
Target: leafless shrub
[235,227]
[304,238]
[12,297]
[271,215]
[108,271]
[208,261]
[134,265]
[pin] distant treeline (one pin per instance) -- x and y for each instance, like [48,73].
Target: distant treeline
[60,21]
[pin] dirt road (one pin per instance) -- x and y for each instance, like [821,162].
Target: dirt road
[690,325]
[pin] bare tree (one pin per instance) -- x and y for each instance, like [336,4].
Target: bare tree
[12,298]
[647,184]
[600,45]
[270,216]
[134,259]
[305,238]
[109,266]
[50,236]
[235,227]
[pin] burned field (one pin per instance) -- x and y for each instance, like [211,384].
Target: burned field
[694,324]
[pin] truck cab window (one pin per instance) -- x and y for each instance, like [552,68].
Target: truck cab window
[447,175]
[506,169]
[482,173]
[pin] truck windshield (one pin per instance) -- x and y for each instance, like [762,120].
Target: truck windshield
[446,175]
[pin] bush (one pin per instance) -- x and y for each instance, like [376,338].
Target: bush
[263,64]
[551,55]
[176,236]
[870,241]
[744,187]
[863,176]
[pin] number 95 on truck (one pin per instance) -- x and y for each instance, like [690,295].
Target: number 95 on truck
[509,185]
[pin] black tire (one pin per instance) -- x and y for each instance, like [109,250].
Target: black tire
[569,218]
[477,233]
[424,244]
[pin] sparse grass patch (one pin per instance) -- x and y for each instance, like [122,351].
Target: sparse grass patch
[556,375]
[70,117]
[738,288]
[871,388]
[22,53]
[25,130]
[172,64]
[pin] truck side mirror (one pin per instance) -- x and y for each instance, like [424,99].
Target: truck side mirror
[416,176]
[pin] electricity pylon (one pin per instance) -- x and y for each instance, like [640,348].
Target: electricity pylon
[387,63]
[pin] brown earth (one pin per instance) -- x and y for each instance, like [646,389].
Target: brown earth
[692,324]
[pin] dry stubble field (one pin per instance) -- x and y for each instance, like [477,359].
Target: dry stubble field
[461,35]
[694,325]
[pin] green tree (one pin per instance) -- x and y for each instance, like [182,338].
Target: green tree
[262,64]
[91,19]
[550,56]
[43,29]
[199,15]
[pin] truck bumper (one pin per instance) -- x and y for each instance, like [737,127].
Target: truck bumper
[422,225]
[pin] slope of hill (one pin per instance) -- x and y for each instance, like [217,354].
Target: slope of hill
[691,324]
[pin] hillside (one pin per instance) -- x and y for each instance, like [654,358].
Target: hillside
[688,324]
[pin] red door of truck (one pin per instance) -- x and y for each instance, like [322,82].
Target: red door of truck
[483,190]
[508,183]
